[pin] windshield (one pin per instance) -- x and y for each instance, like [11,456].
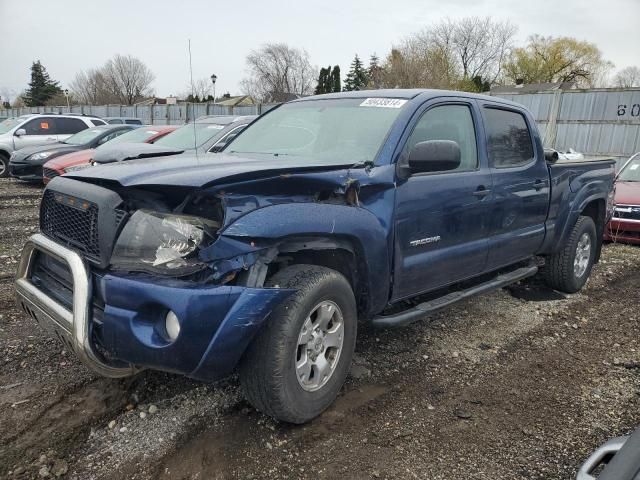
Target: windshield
[183,137]
[138,135]
[323,131]
[84,136]
[631,172]
[9,123]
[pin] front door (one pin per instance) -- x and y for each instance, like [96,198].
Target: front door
[442,219]
[39,131]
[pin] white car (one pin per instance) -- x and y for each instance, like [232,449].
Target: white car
[39,129]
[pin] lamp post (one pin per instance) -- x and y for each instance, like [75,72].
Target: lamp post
[66,94]
[214,77]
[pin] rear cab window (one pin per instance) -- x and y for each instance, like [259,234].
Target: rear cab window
[509,141]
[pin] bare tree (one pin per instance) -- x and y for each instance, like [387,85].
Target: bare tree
[202,89]
[417,62]
[127,78]
[89,88]
[276,71]
[479,45]
[627,78]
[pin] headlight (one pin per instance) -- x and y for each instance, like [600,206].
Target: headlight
[162,242]
[40,156]
[75,168]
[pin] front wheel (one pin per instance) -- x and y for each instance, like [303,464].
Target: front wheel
[569,269]
[295,367]
[4,165]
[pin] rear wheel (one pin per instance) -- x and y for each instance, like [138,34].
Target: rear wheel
[4,165]
[569,269]
[295,367]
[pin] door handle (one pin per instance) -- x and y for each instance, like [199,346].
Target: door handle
[51,138]
[481,191]
[539,184]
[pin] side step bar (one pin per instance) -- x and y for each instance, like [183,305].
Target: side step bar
[419,311]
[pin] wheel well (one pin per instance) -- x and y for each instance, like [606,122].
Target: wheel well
[596,210]
[337,254]
[4,153]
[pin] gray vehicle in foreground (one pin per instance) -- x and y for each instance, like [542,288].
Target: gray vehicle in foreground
[617,459]
[39,129]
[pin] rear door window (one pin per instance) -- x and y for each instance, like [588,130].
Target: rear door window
[97,122]
[509,142]
[133,122]
[69,126]
[41,126]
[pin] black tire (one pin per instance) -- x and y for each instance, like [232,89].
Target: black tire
[559,268]
[268,372]
[4,165]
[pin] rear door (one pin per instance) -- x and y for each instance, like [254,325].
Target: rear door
[442,219]
[520,186]
[40,130]
[69,126]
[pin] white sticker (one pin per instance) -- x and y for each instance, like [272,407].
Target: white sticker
[634,167]
[216,127]
[383,102]
[151,132]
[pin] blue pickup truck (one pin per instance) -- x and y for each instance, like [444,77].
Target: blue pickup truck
[379,206]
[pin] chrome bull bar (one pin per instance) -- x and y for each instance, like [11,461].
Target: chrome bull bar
[73,328]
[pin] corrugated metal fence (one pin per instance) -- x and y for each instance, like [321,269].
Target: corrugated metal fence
[149,114]
[594,122]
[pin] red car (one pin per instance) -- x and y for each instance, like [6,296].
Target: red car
[625,224]
[77,160]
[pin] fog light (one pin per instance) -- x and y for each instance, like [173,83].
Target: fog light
[172,326]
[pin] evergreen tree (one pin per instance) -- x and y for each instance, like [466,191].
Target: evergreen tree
[335,79]
[41,88]
[374,72]
[323,81]
[357,78]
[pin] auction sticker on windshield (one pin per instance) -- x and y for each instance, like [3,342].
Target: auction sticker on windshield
[383,102]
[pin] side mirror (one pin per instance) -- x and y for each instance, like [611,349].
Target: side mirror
[434,156]
[550,155]
[20,132]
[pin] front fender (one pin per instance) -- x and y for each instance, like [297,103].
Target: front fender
[354,224]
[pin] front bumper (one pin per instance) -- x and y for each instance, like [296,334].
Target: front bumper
[623,230]
[25,171]
[72,327]
[217,323]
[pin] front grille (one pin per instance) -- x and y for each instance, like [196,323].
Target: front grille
[627,212]
[72,221]
[49,173]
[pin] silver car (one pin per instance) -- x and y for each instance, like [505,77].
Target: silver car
[39,129]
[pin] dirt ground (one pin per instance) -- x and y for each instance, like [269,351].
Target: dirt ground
[520,384]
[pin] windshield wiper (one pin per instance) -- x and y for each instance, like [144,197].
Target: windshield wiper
[364,164]
[275,154]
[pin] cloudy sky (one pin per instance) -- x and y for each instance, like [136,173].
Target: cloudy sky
[72,35]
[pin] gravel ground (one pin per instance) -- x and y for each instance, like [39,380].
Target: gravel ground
[520,383]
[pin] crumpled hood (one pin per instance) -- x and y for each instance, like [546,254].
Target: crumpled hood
[59,148]
[131,151]
[627,193]
[199,171]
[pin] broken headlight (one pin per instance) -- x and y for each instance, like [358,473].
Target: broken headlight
[162,242]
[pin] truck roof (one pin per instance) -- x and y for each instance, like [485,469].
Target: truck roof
[408,93]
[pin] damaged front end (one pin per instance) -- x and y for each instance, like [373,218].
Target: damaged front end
[180,287]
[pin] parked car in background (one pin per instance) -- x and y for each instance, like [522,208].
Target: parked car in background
[38,129]
[208,134]
[379,205]
[123,121]
[82,158]
[624,226]
[26,163]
